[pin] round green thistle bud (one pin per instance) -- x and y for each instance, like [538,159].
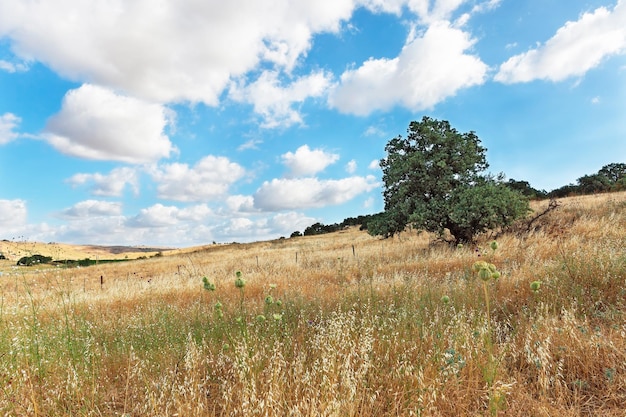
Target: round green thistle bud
[494,245]
[492,267]
[272,286]
[218,306]
[239,319]
[269,300]
[240,282]
[496,275]
[209,286]
[277,317]
[484,274]
[445,299]
[260,318]
[279,303]
[478,265]
[238,274]
[459,246]
[535,286]
[225,346]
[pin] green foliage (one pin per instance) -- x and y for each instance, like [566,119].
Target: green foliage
[481,207]
[611,177]
[319,228]
[591,184]
[33,260]
[525,188]
[613,172]
[433,181]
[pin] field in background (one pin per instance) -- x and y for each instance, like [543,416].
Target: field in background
[342,324]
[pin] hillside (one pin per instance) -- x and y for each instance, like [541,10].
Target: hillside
[340,324]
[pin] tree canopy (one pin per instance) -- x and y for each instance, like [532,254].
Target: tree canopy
[434,180]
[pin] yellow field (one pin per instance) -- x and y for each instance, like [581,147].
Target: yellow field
[343,324]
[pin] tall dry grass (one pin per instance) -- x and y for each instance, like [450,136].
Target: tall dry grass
[353,326]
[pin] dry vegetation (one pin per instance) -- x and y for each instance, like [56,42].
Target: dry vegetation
[353,326]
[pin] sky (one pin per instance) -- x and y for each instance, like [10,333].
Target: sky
[179,123]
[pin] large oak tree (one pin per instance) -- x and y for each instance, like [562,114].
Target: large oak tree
[434,181]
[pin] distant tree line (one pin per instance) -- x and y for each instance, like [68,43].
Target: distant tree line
[611,177]
[320,228]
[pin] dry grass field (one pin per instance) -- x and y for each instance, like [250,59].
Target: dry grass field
[342,324]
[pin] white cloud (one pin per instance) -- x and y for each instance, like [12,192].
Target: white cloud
[375,164]
[351,167]
[290,194]
[111,185]
[13,214]
[251,144]
[12,67]
[157,215]
[595,100]
[92,208]
[287,223]
[306,162]
[240,203]
[8,123]
[576,48]
[208,179]
[429,69]
[96,123]
[374,131]
[169,51]
[274,102]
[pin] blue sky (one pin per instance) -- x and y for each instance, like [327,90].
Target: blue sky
[183,122]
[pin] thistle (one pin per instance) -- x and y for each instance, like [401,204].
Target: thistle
[535,286]
[239,281]
[209,286]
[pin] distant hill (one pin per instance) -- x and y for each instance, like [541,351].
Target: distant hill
[14,250]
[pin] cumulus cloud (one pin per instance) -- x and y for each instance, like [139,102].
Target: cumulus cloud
[12,67]
[251,144]
[201,46]
[210,178]
[275,102]
[96,123]
[92,208]
[576,48]
[287,223]
[8,123]
[240,203]
[351,167]
[291,194]
[429,69]
[13,213]
[306,162]
[111,185]
[375,164]
[157,215]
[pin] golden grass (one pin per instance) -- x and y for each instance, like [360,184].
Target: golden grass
[360,330]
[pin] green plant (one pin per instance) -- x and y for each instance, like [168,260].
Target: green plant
[487,272]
